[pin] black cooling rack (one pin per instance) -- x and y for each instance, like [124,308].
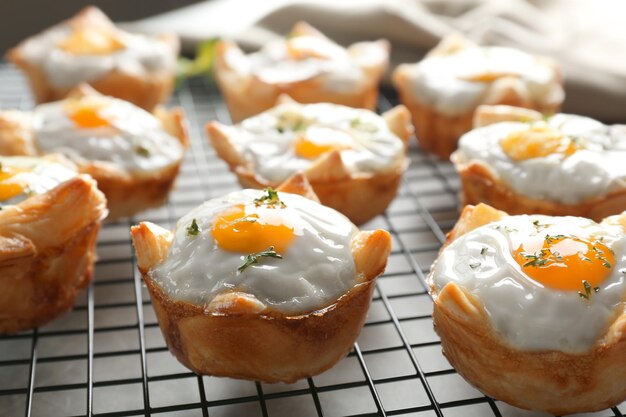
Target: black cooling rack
[107,357]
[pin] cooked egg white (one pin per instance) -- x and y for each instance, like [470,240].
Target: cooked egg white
[288,138]
[206,258]
[566,158]
[100,128]
[68,55]
[455,83]
[529,273]
[22,177]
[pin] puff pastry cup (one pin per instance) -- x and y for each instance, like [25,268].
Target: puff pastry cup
[89,48]
[236,334]
[443,90]
[133,155]
[47,243]
[358,193]
[551,380]
[306,65]
[588,179]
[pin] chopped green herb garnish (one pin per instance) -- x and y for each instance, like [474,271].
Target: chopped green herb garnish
[290,120]
[365,126]
[142,151]
[270,198]
[535,259]
[484,250]
[587,290]
[193,229]
[549,239]
[474,265]
[253,258]
[505,228]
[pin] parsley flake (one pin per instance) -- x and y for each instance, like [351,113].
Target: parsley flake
[270,198]
[535,259]
[588,290]
[253,258]
[484,250]
[474,265]
[193,229]
[550,239]
[505,228]
[142,151]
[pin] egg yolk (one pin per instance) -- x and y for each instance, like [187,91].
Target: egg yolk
[317,141]
[9,189]
[303,47]
[537,141]
[563,262]
[91,41]
[236,231]
[86,114]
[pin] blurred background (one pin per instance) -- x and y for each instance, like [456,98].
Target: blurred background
[587,37]
[19,19]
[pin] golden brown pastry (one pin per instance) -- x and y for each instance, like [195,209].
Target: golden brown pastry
[133,155]
[49,220]
[306,66]
[531,309]
[262,285]
[353,158]
[88,48]
[522,162]
[443,90]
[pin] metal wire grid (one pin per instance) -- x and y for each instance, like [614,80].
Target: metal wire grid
[108,358]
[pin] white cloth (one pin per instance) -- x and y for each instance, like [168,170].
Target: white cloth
[587,37]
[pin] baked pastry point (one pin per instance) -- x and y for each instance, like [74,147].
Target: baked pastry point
[47,252]
[359,196]
[552,381]
[237,336]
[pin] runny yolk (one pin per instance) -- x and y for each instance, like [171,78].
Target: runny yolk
[9,189]
[236,231]
[537,141]
[319,140]
[87,114]
[86,40]
[563,262]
